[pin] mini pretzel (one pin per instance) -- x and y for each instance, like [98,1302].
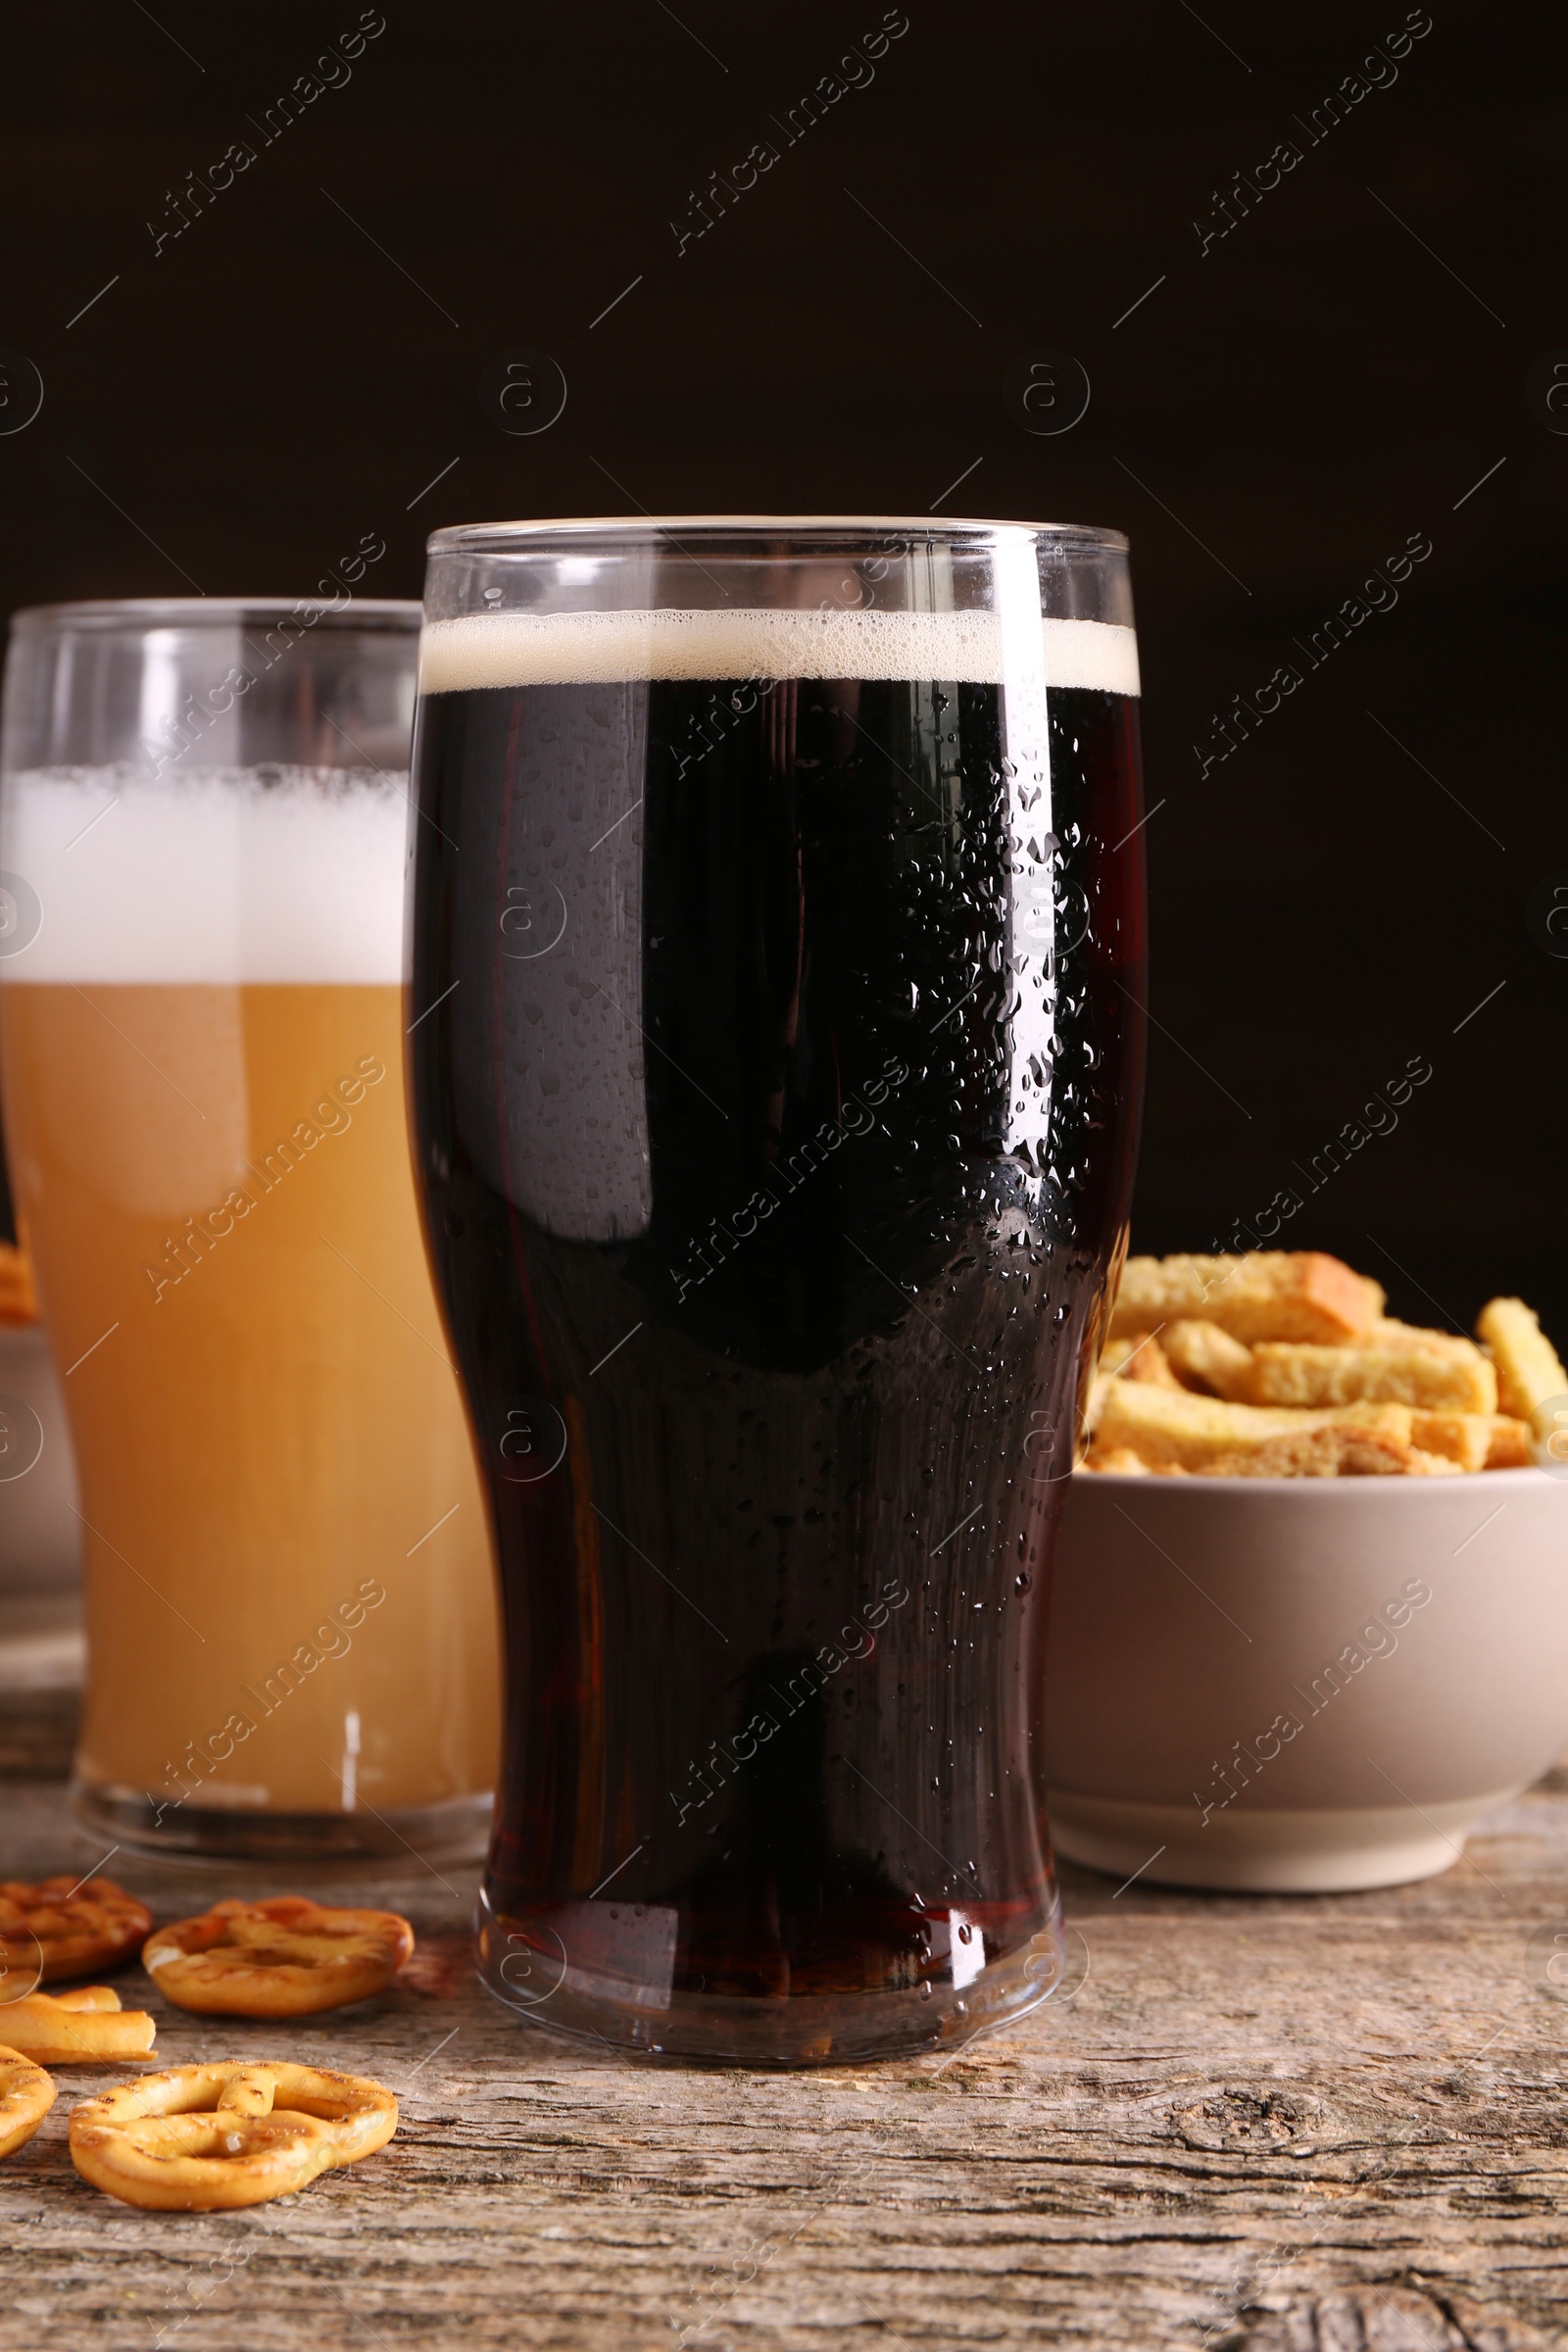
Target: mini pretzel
[286,1957]
[80,1925]
[77,2028]
[27,2095]
[206,2139]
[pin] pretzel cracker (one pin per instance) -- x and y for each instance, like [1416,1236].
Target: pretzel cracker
[285,1957]
[79,1924]
[83,2027]
[27,2095]
[212,2138]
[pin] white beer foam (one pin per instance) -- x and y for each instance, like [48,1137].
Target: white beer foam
[561,649]
[223,874]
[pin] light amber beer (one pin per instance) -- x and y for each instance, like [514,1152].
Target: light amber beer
[288,1588]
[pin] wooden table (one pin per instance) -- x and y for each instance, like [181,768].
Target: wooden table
[1326,2124]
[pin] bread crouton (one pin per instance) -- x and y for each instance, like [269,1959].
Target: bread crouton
[1462,1439]
[1268,1295]
[1205,1357]
[1509,1449]
[1137,1355]
[1172,1425]
[1529,1370]
[1121,1460]
[1330,1451]
[1283,1373]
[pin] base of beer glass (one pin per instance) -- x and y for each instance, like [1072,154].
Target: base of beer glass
[823,2028]
[455,1831]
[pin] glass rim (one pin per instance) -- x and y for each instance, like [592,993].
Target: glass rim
[144,613]
[524,537]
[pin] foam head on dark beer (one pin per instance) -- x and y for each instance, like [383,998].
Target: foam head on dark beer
[984,647]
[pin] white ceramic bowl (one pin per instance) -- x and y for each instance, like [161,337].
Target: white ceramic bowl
[1301,1685]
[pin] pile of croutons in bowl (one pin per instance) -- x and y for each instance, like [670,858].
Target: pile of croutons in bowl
[1283,1364]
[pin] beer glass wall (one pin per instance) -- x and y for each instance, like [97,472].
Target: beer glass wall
[776,975]
[291,1644]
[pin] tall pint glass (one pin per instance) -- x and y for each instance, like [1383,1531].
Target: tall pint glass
[290,1619]
[776,981]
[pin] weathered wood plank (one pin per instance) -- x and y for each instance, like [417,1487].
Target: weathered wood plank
[1297,2125]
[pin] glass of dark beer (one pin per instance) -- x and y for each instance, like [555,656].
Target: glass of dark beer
[775,1031]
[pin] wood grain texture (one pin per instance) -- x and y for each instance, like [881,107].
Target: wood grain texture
[1325,2124]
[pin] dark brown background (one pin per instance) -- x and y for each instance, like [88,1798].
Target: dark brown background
[1303,397]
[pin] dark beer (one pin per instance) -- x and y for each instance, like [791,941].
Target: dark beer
[775,1063]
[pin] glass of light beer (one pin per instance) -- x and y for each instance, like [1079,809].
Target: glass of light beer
[291,1626]
[775,1024]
